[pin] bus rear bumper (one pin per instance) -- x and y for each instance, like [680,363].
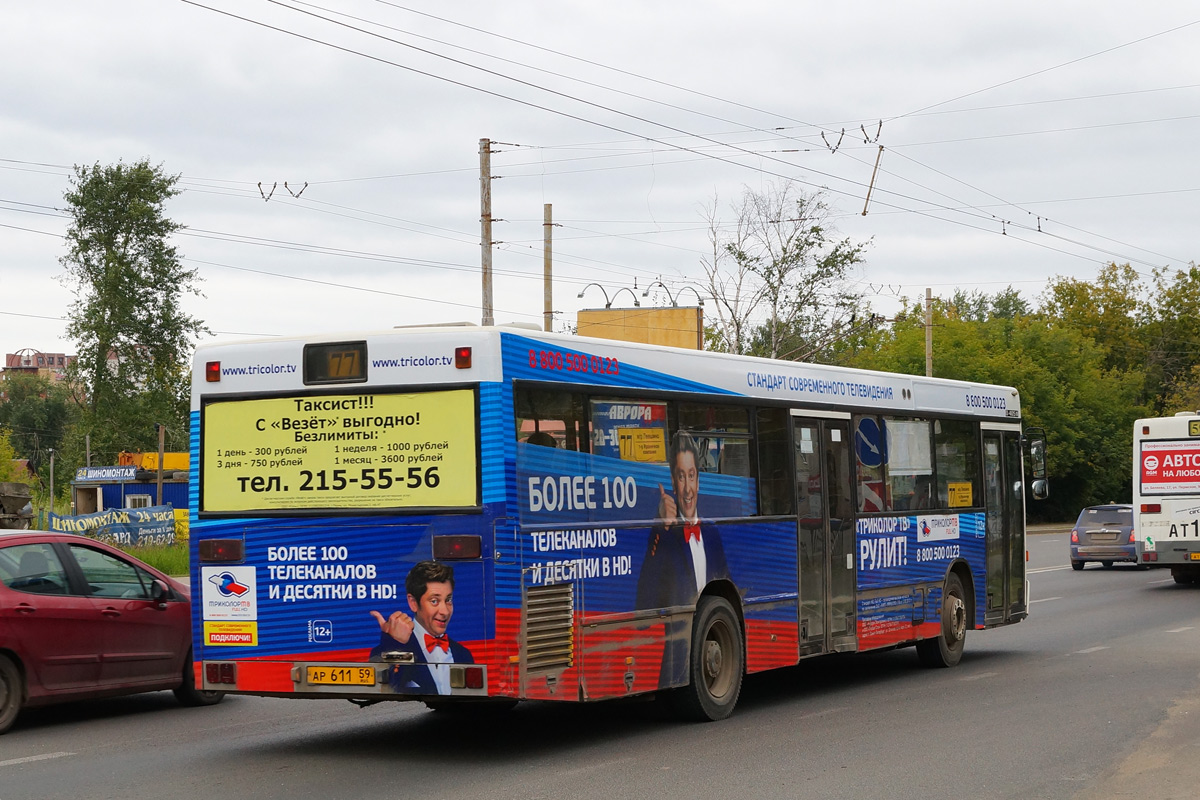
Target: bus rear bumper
[330,679]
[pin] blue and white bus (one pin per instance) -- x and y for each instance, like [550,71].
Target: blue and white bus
[466,514]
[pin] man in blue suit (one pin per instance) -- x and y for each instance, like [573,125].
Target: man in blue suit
[682,556]
[430,588]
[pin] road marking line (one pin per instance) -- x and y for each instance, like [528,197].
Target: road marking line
[27,759]
[1092,649]
[980,676]
[1043,599]
[1181,630]
[1047,569]
[1171,580]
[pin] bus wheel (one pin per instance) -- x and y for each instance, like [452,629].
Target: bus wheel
[716,664]
[947,649]
[11,691]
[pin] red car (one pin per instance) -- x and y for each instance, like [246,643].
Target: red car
[80,619]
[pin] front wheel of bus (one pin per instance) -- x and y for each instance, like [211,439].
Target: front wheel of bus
[716,663]
[946,650]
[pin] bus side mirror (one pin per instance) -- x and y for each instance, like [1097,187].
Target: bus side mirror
[1040,489]
[1037,458]
[1037,453]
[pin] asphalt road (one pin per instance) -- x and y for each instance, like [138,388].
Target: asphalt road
[1096,696]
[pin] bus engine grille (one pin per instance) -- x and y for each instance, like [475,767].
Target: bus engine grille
[549,628]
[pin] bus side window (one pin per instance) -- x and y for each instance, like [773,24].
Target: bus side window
[551,419]
[959,465]
[776,496]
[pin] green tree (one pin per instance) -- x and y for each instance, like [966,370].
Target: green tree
[780,280]
[8,469]
[1170,335]
[37,411]
[1106,310]
[132,336]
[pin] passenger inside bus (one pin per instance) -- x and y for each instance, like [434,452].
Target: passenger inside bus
[541,438]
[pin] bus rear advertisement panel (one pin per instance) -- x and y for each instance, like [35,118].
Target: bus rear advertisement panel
[364,451]
[1170,467]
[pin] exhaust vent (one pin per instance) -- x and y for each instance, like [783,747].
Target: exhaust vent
[549,628]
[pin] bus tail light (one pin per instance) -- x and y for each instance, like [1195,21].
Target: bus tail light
[222,550]
[212,371]
[1151,508]
[220,673]
[466,677]
[1149,556]
[456,548]
[462,358]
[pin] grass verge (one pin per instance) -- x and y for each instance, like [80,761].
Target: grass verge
[169,558]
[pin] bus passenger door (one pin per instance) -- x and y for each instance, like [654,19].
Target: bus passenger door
[825,527]
[1005,498]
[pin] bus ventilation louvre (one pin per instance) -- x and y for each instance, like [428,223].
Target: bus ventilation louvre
[549,628]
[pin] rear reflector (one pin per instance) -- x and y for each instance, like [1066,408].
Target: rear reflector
[456,548]
[1151,508]
[1149,556]
[222,550]
[216,672]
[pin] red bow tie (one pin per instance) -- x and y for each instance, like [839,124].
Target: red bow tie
[437,641]
[691,532]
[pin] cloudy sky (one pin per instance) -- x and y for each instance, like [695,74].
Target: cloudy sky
[328,151]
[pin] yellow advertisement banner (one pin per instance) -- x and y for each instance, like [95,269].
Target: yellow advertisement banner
[231,634]
[339,451]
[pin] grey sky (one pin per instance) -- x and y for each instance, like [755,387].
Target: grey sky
[1075,117]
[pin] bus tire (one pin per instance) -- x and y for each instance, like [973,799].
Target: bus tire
[188,695]
[12,692]
[716,663]
[947,648]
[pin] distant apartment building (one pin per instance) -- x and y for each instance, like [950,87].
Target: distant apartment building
[34,362]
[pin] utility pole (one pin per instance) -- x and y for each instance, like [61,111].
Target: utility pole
[547,268]
[485,224]
[928,332]
[51,451]
[162,433]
